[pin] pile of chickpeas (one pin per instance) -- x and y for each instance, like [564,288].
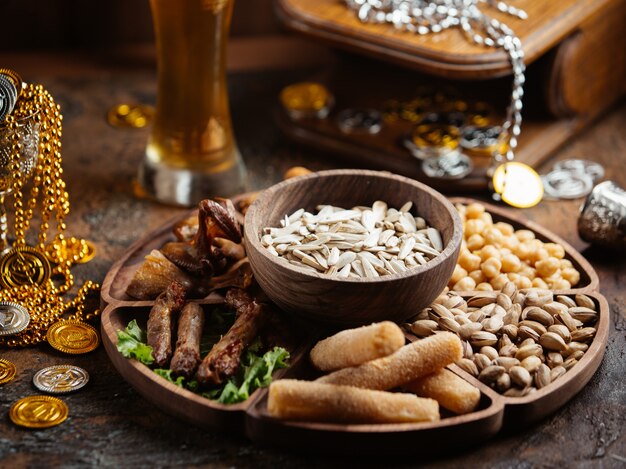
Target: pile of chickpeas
[493,254]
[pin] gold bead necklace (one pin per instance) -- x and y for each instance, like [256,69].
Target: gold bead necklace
[42,300]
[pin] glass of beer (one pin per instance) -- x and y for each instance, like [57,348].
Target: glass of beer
[191,153]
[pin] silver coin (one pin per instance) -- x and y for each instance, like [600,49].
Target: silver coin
[368,121]
[593,169]
[14,318]
[8,97]
[452,166]
[564,184]
[454,118]
[60,379]
[474,137]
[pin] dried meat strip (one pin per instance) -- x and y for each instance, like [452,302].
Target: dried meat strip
[160,322]
[187,354]
[222,362]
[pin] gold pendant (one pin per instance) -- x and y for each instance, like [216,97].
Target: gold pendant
[518,184]
[24,266]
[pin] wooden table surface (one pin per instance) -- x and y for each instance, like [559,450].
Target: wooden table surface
[111,425]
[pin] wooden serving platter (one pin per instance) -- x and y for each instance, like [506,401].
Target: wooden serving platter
[251,418]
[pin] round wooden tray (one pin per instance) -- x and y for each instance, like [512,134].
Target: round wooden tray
[251,418]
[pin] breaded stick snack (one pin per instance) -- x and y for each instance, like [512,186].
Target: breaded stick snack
[355,346]
[307,400]
[412,361]
[450,390]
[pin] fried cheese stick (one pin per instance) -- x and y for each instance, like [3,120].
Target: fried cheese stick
[355,346]
[410,362]
[306,400]
[450,390]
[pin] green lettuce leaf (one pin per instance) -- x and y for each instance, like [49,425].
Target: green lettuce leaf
[257,373]
[131,343]
[167,374]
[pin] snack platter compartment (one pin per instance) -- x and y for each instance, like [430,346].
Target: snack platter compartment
[251,418]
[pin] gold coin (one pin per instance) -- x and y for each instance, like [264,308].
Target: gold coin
[518,184]
[130,115]
[306,99]
[24,266]
[73,337]
[7,371]
[436,135]
[38,412]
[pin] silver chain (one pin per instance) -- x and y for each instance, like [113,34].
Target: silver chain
[426,17]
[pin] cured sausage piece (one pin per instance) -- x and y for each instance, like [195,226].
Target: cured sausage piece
[160,322]
[187,354]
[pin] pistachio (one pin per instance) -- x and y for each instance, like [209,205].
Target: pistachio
[516,392]
[569,363]
[481,361]
[585,301]
[583,314]
[466,330]
[542,376]
[534,325]
[574,347]
[423,327]
[482,299]
[557,372]
[504,340]
[584,334]
[552,341]
[528,351]
[541,316]
[448,324]
[520,376]
[493,324]
[554,307]
[503,382]
[467,350]
[554,359]
[510,330]
[577,355]
[507,362]
[508,350]
[468,366]
[566,300]
[531,363]
[490,374]
[477,316]
[438,311]
[480,338]
[567,320]
[509,289]
[525,332]
[490,352]
[526,342]
[561,330]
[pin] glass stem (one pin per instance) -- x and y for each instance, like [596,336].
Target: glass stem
[4,228]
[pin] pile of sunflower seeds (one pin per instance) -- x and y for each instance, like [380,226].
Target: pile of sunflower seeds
[514,341]
[360,242]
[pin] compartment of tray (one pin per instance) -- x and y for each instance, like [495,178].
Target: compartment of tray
[402,438]
[535,406]
[589,280]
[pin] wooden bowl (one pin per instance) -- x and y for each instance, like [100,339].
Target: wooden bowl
[351,302]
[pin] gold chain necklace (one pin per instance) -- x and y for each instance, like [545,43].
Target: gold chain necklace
[41,298]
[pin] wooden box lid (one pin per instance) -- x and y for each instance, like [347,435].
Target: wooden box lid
[448,53]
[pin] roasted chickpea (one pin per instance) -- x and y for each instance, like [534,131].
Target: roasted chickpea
[524,250]
[475,242]
[540,255]
[511,263]
[524,235]
[484,286]
[571,275]
[486,217]
[489,252]
[547,267]
[560,284]
[469,261]
[458,274]
[493,236]
[505,228]
[465,284]
[539,283]
[491,267]
[478,276]
[473,226]
[523,282]
[555,250]
[474,210]
[510,242]
[498,282]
